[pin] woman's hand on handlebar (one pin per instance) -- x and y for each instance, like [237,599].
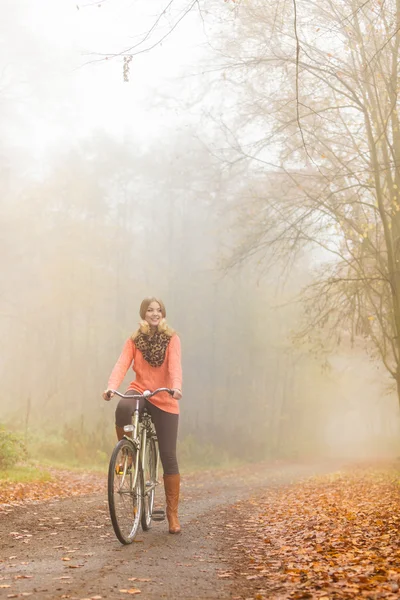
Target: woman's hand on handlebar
[177,394]
[107,395]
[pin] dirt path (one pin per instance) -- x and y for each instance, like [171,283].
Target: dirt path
[67,548]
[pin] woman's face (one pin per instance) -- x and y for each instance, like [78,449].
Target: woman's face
[153,314]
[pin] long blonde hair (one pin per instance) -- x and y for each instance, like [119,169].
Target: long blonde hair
[144,327]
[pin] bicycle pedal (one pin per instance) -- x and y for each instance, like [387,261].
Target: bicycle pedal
[158,515]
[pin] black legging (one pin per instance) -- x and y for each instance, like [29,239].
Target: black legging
[165,423]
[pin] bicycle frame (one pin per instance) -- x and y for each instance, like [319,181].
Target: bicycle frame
[140,429]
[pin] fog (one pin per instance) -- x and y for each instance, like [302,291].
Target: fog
[113,190]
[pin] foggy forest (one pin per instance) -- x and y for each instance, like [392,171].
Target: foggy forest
[238,160]
[256,194]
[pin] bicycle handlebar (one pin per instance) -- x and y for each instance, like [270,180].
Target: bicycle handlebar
[146,394]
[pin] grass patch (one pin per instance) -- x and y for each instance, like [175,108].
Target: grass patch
[196,467]
[196,456]
[74,465]
[24,474]
[77,449]
[72,448]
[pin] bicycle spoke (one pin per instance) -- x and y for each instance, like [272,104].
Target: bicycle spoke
[149,476]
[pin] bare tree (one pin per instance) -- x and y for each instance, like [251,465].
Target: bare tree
[321,99]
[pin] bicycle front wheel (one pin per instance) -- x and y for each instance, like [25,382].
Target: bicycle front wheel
[125,492]
[149,483]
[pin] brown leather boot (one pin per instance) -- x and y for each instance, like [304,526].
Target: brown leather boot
[171,486]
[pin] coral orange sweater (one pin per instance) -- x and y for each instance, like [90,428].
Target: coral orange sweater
[150,378]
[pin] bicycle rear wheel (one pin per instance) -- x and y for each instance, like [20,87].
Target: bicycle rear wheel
[124,494]
[149,483]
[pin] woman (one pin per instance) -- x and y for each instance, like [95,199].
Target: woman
[155,351]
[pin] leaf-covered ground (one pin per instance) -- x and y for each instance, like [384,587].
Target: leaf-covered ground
[66,547]
[331,537]
[59,484]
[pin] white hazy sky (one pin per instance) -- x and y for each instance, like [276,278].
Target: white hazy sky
[47,94]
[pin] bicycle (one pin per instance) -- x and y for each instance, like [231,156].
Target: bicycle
[133,474]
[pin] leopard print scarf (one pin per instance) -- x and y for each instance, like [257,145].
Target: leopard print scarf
[153,348]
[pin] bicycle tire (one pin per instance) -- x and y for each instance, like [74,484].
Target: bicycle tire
[124,502]
[149,479]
